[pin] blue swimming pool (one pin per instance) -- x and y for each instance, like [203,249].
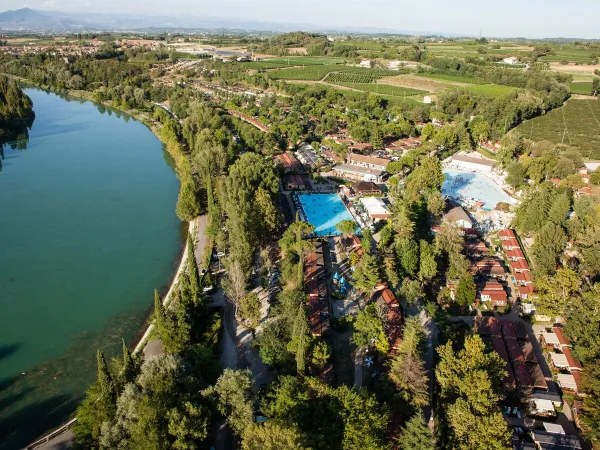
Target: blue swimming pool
[324,211]
[470,185]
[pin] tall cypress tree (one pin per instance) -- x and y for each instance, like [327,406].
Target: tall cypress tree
[104,377]
[194,277]
[128,364]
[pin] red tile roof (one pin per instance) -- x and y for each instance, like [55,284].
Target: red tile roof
[561,336]
[573,363]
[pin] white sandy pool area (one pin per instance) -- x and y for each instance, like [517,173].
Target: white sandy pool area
[463,186]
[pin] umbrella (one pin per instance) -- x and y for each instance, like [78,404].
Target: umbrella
[336,276]
[343,281]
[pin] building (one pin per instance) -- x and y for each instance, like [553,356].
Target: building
[473,164]
[365,188]
[458,216]
[294,183]
[370,162]
[307,156]
[358,173]
[288,162]
[427,99]
[511,60]
[376,208]
[546,440]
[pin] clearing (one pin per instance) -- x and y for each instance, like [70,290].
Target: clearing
[419,83]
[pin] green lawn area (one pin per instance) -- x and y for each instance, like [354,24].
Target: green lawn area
[576,124]
[457,78]
[581,87]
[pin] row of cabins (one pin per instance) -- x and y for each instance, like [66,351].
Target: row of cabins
[518,263]
[562,359]
[315,286]
[511,341]
[294,183]
[362,168]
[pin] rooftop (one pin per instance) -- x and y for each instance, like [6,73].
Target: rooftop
[358,169]
[472,160]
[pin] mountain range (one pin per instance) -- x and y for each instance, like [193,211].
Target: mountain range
[29,20]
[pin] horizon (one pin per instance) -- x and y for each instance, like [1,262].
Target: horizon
[533,20]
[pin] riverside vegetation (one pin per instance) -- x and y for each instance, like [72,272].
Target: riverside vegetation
[223,165]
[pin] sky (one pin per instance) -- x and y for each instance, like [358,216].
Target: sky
[504,18]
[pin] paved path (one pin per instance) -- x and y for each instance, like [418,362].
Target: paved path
[61,442]
[358,366]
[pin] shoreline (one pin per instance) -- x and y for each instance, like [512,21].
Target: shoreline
[146,119]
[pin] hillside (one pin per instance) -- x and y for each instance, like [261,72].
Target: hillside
[30,20]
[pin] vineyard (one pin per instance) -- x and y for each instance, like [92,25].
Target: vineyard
[454,78]
[305,61]
[576,124]
[358,75]
[263,65]
[382,89]
[489,90]
[341,73]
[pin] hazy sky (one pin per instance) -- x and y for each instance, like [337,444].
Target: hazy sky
[526,18]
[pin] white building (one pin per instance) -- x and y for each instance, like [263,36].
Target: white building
[376,208]
[472,164]
[510,60]
[427,99]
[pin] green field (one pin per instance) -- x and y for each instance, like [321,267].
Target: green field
[456,78]
[317,73]
[490,90]
[358,76]
[582,88]
[305,60]
[383,89]
[576,124]
[263,65]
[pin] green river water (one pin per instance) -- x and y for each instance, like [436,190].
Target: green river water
[87,231]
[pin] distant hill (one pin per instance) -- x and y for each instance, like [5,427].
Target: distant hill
[27,19]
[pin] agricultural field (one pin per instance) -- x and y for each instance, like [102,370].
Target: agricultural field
[318,72]
[452,78]
[358,76]
[304,60]
[576,124]
[382,89]
[416,82]
[581,87]
[490,90]
[262,65]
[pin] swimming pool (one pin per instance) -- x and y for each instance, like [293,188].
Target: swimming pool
[324,211]
[466,185]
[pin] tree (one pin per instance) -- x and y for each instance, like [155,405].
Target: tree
[272,435]
[232,397]
[408,256]
[471,374]
[427,177]
[366,275]
[194,276]
[560,209]
[369,330]
[556,292]
[548,245]
[470,383]
[516,174]
[347,227]
[416,435]
[188,207]
[411,290]
[235,283]
[249,310]
[436,204]
[427,261]
[407,369]
[320,353]
[129,369]
[466,291]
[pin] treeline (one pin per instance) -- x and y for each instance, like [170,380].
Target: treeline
[16,113]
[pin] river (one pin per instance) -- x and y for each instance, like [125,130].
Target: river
[87,231]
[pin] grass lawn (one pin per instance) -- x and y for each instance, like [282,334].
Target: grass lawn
[576,124]
[581,88]
[490,90]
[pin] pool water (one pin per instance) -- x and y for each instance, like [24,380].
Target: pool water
[466,185]
[324,211]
